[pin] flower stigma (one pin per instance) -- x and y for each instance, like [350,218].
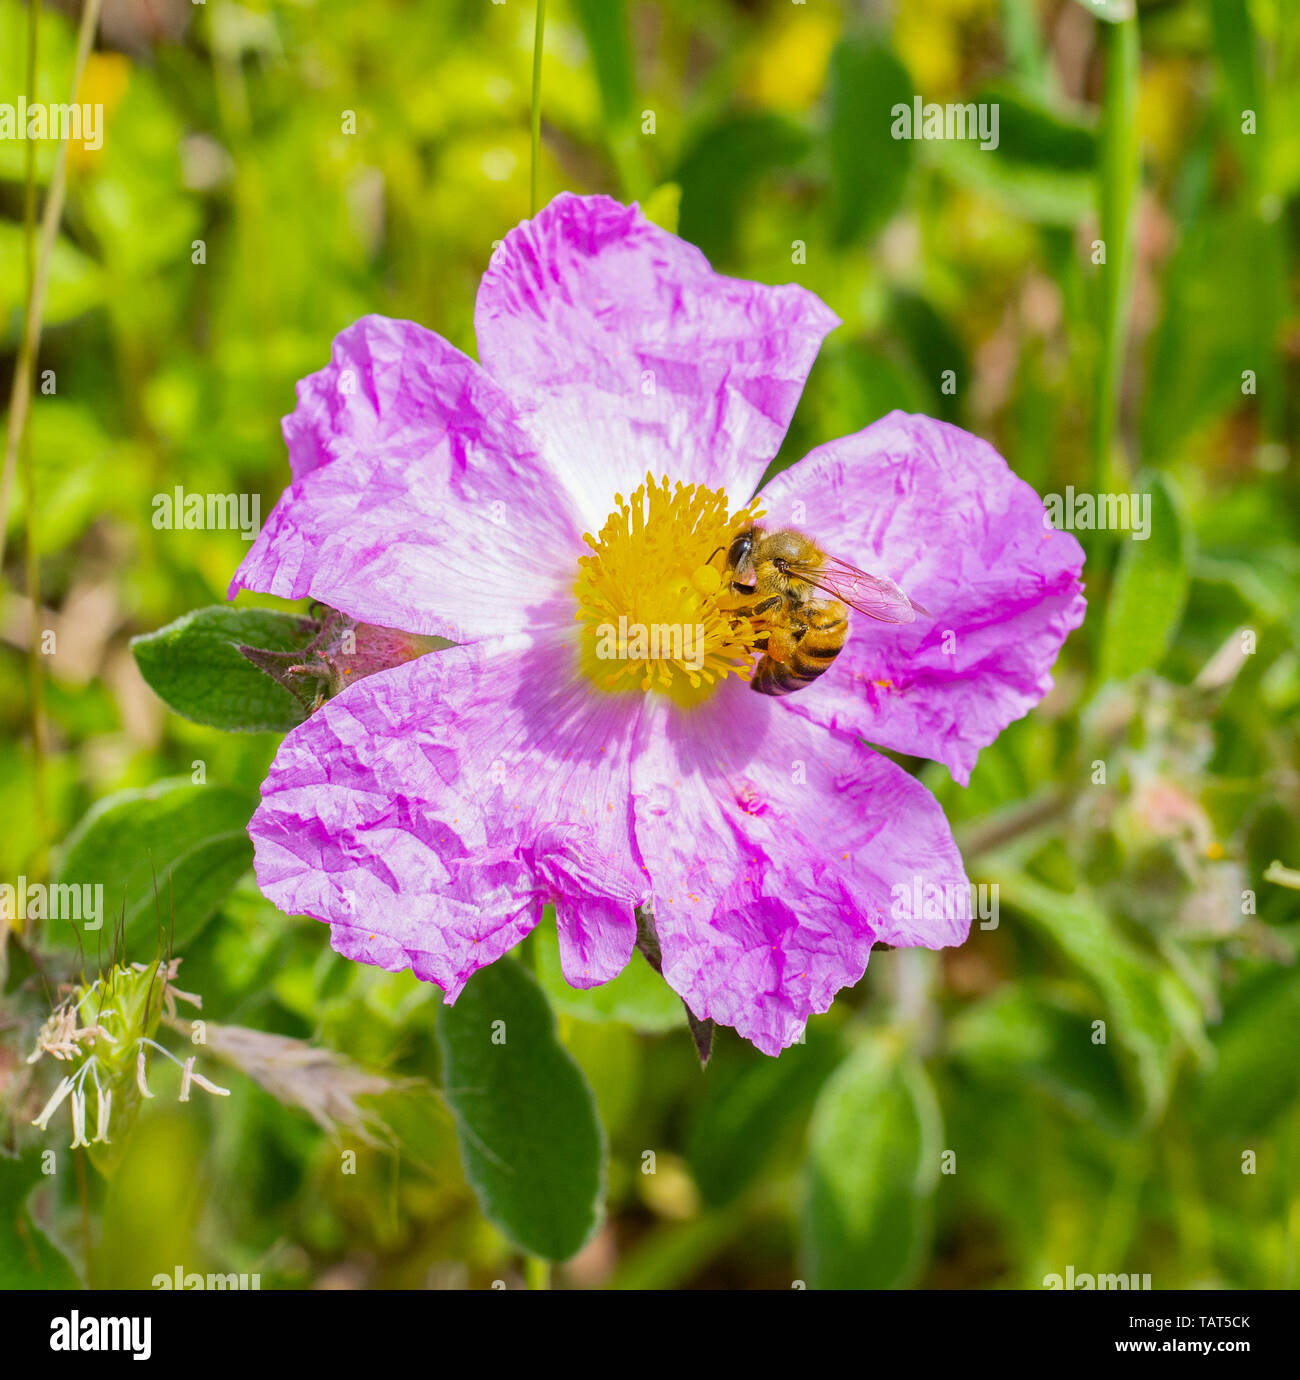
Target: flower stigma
[654,598]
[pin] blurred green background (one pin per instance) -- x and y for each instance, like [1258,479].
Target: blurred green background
[1131,824]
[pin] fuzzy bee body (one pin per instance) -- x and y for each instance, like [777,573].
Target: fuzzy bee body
[803,632]
[813,637]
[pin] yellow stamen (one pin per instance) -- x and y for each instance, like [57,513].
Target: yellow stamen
[657,610]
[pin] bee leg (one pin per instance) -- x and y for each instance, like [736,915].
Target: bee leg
[781,642]
[758,612]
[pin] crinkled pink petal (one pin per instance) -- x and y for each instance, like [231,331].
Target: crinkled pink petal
[939,511]
[596,935]
[416,504]
[382,392]
[778,853]
[596,939]
[631,355]
[429,811]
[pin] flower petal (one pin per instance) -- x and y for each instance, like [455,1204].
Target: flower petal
[429,812]
[775,848]
[419,503]
[632,355]
[371,397]
[939,511]
[596,940]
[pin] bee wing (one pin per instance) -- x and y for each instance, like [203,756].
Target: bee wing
[875,595]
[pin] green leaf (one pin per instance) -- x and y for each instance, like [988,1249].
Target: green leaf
[742,1119]
[195,666]
[28,1258]
[1035,1036]
[56,52]
[1153,1013]
[869,166]
[1236,44]
[192,839]
[718,175]
[873,1162]
[76,282]
[1026,51]
[638,996]
[1043,195]
[1150,590]
[932,343]
[1223,256]
[530,1141]
[1256,1074]
[1038,132]
[604,25]
[1042,167]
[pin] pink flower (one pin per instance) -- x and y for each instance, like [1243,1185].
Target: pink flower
[428,812]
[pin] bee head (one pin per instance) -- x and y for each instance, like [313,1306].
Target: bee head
[741,551]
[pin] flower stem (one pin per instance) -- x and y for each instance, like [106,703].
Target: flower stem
[537,1272]
[1120,178]
[32,569]
[537,104]
[29,196]
[21,392]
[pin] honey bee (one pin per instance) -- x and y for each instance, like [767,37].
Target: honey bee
[803,632]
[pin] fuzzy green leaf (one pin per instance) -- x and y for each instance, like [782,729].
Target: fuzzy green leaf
[1150,591]
[869,166]
[530,1141]
[196,667]
[873,1162]
[166,856]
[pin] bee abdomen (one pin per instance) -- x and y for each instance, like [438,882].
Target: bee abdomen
[777,678]
[783,678]
[825,632]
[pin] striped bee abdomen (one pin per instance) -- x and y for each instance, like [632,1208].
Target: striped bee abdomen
[818,631]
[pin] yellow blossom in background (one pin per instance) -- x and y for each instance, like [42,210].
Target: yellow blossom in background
[787,67]
[1165,97]
[932,36]
[103,83]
